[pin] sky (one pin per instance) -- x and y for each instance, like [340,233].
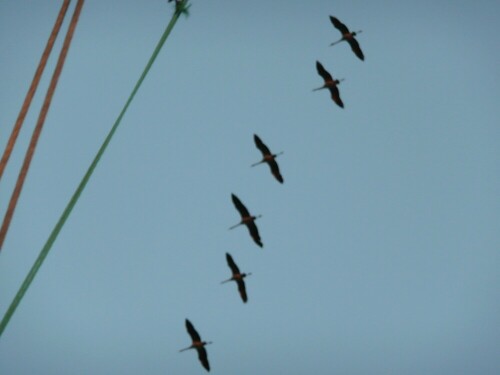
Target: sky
[381,248]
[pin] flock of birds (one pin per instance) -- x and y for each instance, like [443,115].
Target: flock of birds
[237,276]
[330,83]
[270,158]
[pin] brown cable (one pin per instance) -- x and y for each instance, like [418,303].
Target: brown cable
[39,125]
[33,87]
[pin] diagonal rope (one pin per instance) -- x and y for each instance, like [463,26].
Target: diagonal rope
[33,87]
[181,8]
[39,125]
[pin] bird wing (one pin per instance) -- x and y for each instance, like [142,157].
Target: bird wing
[254,232]
[334,90]
[241,289]
[322,72]
[192,332]
[355,48]
[261,146]
[202,356]
[232,265]
[275,170]
[339,25]
[239,206]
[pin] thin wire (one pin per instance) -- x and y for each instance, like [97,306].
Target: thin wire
[39,125]
[34,85]
[180,9]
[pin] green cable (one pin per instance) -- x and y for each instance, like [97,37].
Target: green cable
[181,8]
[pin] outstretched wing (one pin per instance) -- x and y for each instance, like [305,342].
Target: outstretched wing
[230,262]
[275,170]
[261,146]
[254,232]
[339,25]
[202,356]
[334,90]
[192,332]
[239,206]
[241,289]
[356,48]
[323,73]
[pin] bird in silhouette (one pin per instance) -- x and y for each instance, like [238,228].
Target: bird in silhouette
[237,276]
[198,345]
[330,84]
[348,36]
[268,157]
[247,219]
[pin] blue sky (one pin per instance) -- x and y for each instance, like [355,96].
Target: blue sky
[380,249]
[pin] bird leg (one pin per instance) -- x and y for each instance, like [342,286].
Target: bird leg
[319,88]
[189,347]
[338,41]
[236,225]
[260,162]
[225,281]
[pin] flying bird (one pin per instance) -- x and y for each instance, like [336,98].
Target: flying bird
[247,219]
[268,157]
[348,36]
[330,84]
[198,345]
[237,276]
